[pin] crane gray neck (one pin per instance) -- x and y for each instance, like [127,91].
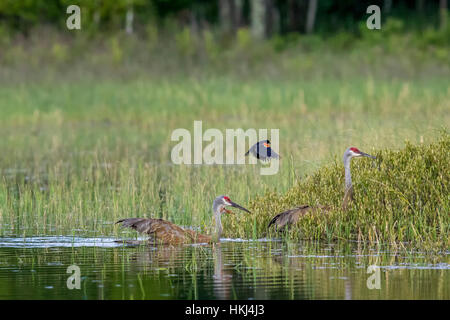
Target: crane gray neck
[217,209]
[348,175]
[348,194]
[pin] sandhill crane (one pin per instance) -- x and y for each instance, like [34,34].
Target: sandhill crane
[291,216]
[165,232]
[262,150]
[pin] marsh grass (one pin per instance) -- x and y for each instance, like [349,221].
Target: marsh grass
[76,157]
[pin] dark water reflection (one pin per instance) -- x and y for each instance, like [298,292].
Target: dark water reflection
[36,268]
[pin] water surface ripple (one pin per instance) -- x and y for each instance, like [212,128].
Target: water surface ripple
[37,268]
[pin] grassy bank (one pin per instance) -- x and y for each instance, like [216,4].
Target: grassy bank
[402,196]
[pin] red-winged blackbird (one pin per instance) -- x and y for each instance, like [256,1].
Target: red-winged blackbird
[262,151]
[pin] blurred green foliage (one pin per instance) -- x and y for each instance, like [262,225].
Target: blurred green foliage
[109,15]
[188,30]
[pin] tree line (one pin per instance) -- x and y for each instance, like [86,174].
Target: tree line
[264,18]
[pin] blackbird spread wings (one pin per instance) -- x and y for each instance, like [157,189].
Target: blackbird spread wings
[259,151]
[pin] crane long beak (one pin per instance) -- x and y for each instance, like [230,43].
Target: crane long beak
[235,205]
[367,155]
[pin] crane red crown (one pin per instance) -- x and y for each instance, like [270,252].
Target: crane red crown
[355,150]
[227,199]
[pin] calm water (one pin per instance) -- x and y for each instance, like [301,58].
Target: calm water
[36,268]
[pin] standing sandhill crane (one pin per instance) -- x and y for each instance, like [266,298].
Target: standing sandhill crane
[165,232]
[262,150]
[291,216]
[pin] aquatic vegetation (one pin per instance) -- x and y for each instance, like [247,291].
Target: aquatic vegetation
[76,157]
[402,196]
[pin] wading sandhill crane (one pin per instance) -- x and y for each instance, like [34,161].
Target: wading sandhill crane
[291,216]
[262,150]
[165,232]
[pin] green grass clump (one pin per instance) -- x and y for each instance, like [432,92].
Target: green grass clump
[402,196]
